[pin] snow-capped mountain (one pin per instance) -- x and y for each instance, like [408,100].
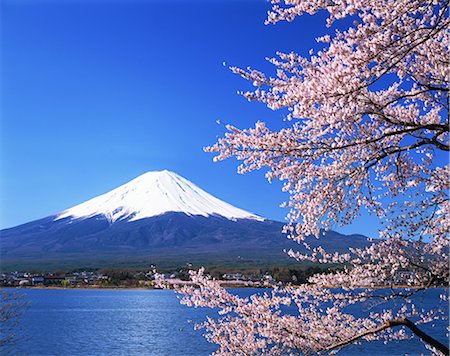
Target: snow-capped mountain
[158,218]
[153,194]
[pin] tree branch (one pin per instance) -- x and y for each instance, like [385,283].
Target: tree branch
[392,323]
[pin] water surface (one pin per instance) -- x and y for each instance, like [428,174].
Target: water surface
[142,322]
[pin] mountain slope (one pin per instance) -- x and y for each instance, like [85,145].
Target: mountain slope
[158,218]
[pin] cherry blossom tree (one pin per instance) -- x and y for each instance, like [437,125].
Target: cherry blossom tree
[367,128]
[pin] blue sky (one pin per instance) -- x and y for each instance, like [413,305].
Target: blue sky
[95,93]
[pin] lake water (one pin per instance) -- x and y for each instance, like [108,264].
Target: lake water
[142,322]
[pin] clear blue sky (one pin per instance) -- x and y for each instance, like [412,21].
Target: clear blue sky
[95,93]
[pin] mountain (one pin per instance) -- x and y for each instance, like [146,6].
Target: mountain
[157,218]
[153,194]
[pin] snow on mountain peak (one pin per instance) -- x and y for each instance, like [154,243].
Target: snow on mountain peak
[152,194]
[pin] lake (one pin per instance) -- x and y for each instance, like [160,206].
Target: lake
[142,322]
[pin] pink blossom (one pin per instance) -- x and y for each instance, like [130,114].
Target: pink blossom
[368,121]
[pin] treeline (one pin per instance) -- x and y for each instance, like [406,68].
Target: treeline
[284,274]
[130,278]
[295,276]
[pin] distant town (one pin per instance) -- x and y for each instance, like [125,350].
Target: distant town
[145,279]
[121,279]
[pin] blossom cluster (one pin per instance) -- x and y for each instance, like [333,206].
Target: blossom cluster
[368,128]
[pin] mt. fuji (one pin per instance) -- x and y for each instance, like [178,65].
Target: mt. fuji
[153,194]
[157,218]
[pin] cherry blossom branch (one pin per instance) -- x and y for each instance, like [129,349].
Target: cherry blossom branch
[393,323]
[368,119]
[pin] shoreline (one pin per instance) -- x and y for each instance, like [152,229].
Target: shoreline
[227,286]
[79,288]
